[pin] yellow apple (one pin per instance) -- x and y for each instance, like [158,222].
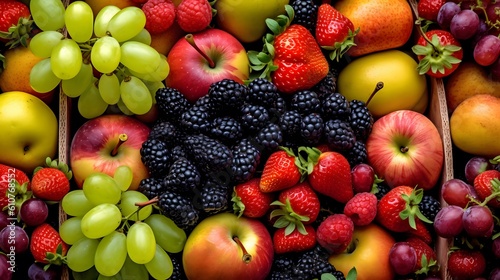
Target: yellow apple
[29,131]
[246,20]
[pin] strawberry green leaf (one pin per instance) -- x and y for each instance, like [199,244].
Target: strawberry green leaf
[436,57]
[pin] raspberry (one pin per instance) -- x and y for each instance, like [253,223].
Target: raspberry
[160,15]
[361,208]
[335,233]
[194,15]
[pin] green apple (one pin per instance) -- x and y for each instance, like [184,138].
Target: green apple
[29,131]
[246,20]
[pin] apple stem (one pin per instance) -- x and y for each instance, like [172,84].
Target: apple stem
[378,87]
[190,39]
[121,139]
[404,149]
[246,256]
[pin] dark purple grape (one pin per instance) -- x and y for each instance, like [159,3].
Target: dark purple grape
[4,219]
[403,258]
[5,267]
[448,222]
[447,11]
[34,212]
[36,272]
[14,240]
[478,221]
[494,274]
[464,24]
[482,30]
[487,50]
[495,247]
[474,166]
[457,192]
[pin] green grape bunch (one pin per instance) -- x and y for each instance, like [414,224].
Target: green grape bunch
[75,44]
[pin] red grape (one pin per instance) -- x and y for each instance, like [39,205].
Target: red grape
[448,222]
[494,274]
[474,166]
[464,24]
[5,267]
[363,177]
[478,221]
[34,212]
[446,13]
[495,69]
[36,271]
[457,192]
[493,12]
[487,50]
[14,240]
[496,247]
[403,258]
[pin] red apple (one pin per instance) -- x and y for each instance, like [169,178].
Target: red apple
[106,142]
[219,56]
[405,148]
[224,246]
[368,253]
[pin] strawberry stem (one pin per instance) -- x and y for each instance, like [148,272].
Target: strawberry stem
[246,256]
[190,39]
[121,139]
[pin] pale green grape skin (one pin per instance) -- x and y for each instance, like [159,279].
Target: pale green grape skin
[139,57]
[135,95]
[90,103]
[89,274]
[132,270]
[101,220]
[102,19]
[42,79]
[101,188]
[127,23]
[167,234]
[106,54]
[111,253]
[71,231]
[153,88]
[75,86]
[66,59]
[79,20]
[80,256]
[123,176]
[127,205]
[141,243]
[47,14]
[158,75]
[160,267]
[75,203]
[42,43]
[123,108]
[109,88]
[144,37]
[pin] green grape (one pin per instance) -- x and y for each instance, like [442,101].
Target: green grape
[160,267]
[132,270]
[90,103]
[157,75]
[111,253]
[127,205]
[123,176]
[101,188]
[153,88]
[139,57]
[101,220]
[42,43]
[105,54]
[79,20]
[80,256]
[75,203]
[109,88]
[89,274]
[71,231]
[144,37]
[42,79]
[127,23]
[102,19]
[47,14]
[75,86]
[66,59]
[124,108]
[135,95]
[167,234]
[141,243]
[114,277]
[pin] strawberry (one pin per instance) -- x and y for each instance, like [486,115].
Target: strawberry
[15,23]
[428,9]
[335,233]
[295,241]
[46,245]
[51,182]
[249,201]
[329,173]
[282,170]
[299,206]
[438,53]
[334,31]
[466,264]
[14,183]
[160,15]
[421,231]
[398,210]
[194,15]
[291,58]
[361,208]
[426,256]
[487,185]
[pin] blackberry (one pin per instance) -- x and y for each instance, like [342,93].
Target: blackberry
[335,106]
[246,159]
[207,153]
[382,189]
[196,119]
[215,196]
[151,187]
[254,117]
[183,177]
[177,152]
[305,102]
[311,128]
[357,154]
[178,269]
[327,85]
[269,138]
[155,156]
[178,208]
[283,262]
[429,206]
[279,275]
[339,135]
[361,119]
[165,131]
[227,94]
[171,103]
[339,275]
[261,92]
[226,129]
[309,266]
[290,123]
[305,13]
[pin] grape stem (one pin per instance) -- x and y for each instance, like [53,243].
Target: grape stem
[246,256]
[122,138]
[190,39]
[378,87]
[146,203]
